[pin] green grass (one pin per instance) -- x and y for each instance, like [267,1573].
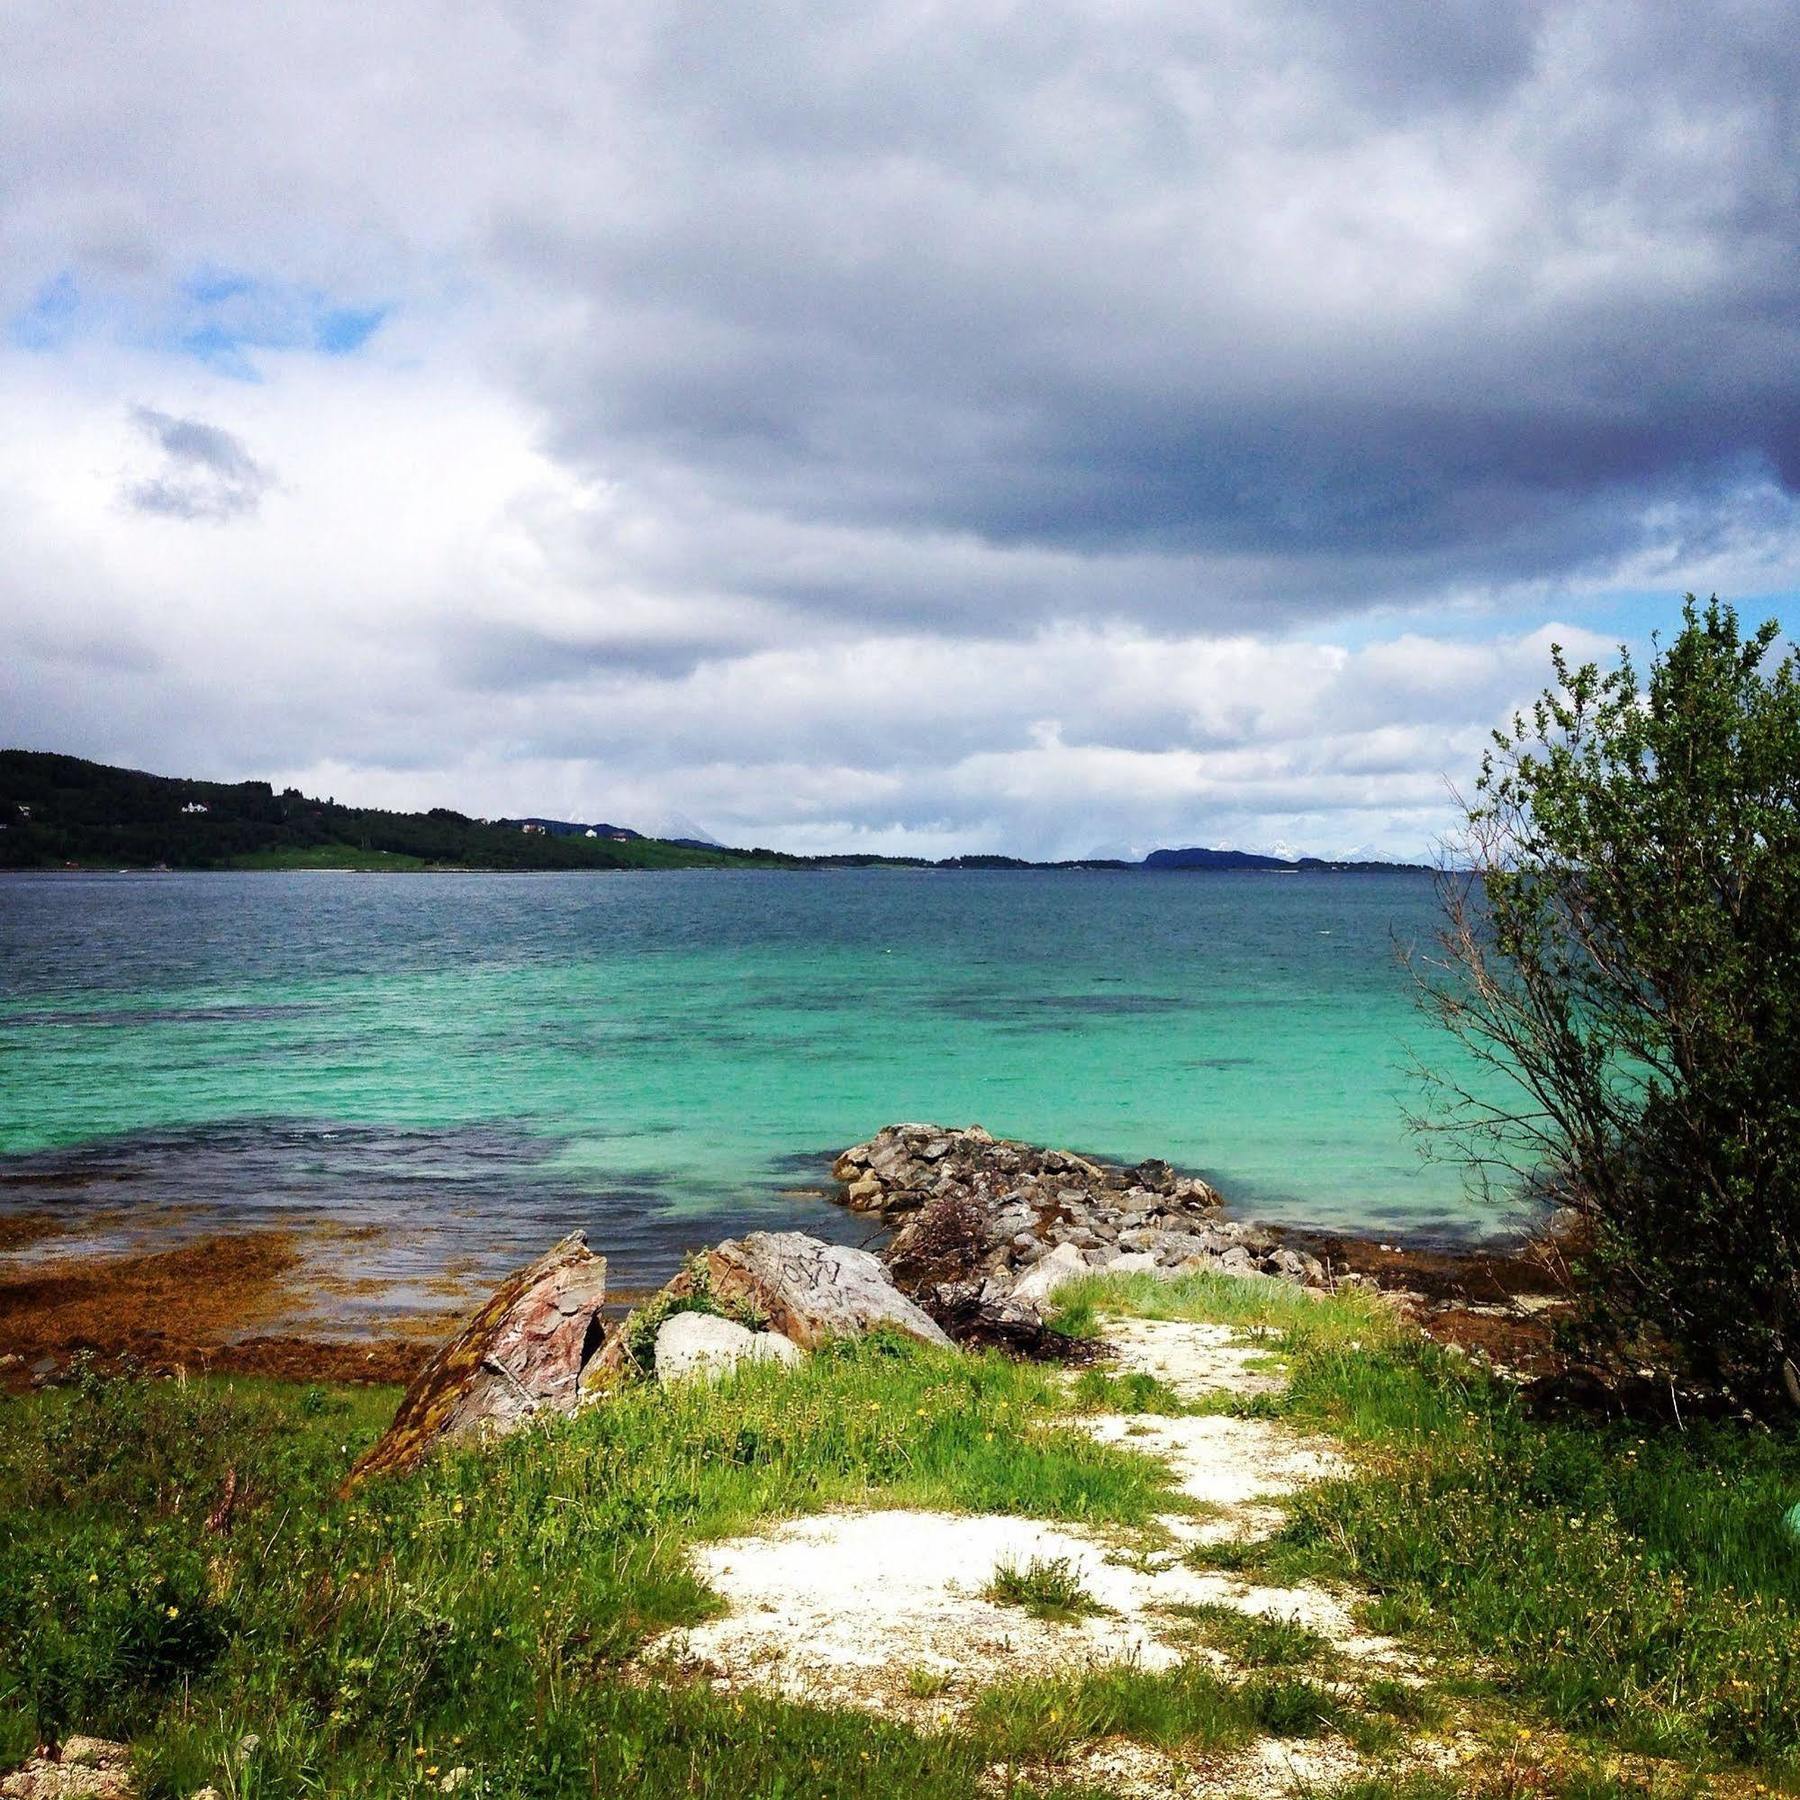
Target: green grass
[327,856]
[1632,1584]
[1048,1588]
[1290,1316]
[494,1597]
[1256,1640]
[1618,1589]
[1134,1392]
[1187,1708]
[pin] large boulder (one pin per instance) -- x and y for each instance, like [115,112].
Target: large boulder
[808,1290]
[522,1356]
[707,1345]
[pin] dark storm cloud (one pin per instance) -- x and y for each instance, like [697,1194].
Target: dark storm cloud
[204,472]
[1392,297]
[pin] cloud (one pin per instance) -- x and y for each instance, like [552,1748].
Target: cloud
[1000,427]
[203,472]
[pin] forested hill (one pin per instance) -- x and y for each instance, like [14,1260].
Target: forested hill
[58,810]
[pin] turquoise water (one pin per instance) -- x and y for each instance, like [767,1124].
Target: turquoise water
[484,1056]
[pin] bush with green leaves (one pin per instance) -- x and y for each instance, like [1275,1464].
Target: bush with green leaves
[1622,957]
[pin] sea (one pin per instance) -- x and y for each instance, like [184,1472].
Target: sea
[455,1069]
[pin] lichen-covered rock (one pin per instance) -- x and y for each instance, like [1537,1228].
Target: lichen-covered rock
[86,1768]
[810,1291]
[704,1344]
[522,1356]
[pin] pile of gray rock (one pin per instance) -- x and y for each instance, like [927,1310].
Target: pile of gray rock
[983,1230]
[1014,1220]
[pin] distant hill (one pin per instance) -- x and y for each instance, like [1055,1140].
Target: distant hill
[1182,861]
[62,811]
[57,810]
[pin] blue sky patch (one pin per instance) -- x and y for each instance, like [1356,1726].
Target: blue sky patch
[346,329]
[49,321]
[220,317]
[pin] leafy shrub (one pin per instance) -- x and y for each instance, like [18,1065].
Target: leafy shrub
[1623,954]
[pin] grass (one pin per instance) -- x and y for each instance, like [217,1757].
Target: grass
[1293,1317]
[482,1611]
[1636,1585]
[1048,1588]
[1631,1585]
[1256,1640]
[327,856]
[1189,1707]
[1620,1591]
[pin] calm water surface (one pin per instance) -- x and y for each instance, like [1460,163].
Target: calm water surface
[477,1060]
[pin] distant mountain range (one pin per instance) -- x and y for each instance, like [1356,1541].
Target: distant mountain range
[63,811]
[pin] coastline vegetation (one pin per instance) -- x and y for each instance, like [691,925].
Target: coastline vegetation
[1619,954]
[179,1567]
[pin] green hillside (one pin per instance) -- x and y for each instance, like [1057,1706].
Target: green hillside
[62,810]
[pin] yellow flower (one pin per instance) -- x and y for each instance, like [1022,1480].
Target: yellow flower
[92,1579]
[456,1507]
[174,1612]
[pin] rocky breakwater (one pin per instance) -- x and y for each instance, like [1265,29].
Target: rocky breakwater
[986,1226]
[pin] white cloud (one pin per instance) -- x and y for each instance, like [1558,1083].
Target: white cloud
[1001,428]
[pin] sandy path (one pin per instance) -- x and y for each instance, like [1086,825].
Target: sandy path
[885,1609]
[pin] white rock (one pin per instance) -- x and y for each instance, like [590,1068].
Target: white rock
[771,1346]
[704,1344]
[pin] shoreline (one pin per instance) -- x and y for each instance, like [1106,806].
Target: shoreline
[246,1302]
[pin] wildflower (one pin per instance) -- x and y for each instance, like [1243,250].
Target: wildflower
[174,1612]
[92,1579]
[456,1507]
[420,1753]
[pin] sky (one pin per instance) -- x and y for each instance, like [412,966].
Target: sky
[1051,429]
